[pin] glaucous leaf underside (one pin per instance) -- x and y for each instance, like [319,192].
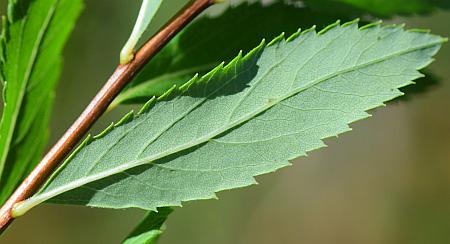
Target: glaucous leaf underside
[244,119]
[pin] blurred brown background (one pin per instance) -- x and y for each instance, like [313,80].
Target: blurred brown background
[388,181]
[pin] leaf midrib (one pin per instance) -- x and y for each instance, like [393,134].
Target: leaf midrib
[149,160]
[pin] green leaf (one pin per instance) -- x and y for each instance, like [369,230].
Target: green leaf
[379,8]
[245,119]
[150,229]
[34,33]
[188,54]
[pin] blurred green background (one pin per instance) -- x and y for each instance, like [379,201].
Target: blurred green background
[388,181]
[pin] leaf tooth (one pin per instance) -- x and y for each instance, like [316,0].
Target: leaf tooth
[254,52]
[425,64]
[277,39]
[125,119]
[414,76]
[294,35]
[345,128]
[396,93]
[104,132]
[351,23]
[329,27]
[188,84]
[375,24]
[147,106]
[300,154]
[419,30]
[395,26]
[252,180]
[418,75]
[206,77]
[167,94]
[214,196]
[309,30]
[177,204]
[233,62]
[212,72]
[83,143]
[152,209]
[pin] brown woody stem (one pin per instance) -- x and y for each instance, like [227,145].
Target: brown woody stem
[121,77]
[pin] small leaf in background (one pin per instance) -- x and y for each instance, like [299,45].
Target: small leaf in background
[241,120]
[150,229]
[34,35]
[377,8]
